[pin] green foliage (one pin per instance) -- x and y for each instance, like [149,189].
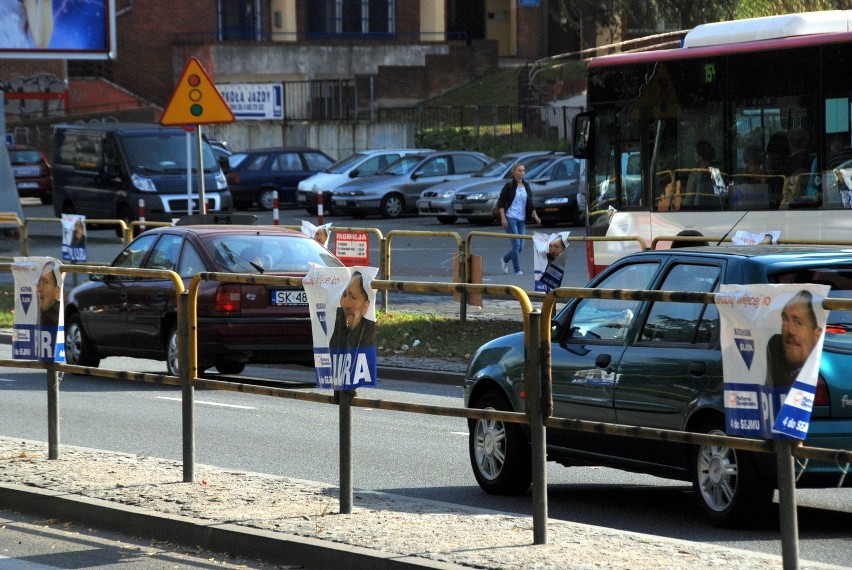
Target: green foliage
[7,305]
[444,138]
[757,8]
[439,336]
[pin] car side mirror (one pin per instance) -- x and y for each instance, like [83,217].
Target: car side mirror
[224,164]
[354,173]
[583,141]
[415,175]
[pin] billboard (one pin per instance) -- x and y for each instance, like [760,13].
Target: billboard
[61,29]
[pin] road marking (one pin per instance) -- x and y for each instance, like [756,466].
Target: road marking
[459,433]
[7,379]
[18,564]
[210,403]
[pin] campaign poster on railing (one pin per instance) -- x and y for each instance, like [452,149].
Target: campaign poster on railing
[343,321]
[74,237]
[549,261]
[771,338]
[39,329]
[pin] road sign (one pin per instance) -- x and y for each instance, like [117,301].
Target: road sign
[195,100]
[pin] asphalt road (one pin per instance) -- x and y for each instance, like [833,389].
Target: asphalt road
[412,455]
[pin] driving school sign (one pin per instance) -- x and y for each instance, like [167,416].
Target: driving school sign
[254,100]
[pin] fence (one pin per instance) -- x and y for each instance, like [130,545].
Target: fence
[538,412]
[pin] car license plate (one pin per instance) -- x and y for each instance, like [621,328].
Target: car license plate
[351,203]
[27,184]
[22,171]
[458,208]
[289,298]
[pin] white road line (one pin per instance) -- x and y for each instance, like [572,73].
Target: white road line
[459,433]
[210,403]
[7,380]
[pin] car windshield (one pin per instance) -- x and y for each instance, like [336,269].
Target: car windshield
[838,331]
[252,253]
[536,169]
[497,167]
[24,156]
[344,164]
[166,153]
[401,166]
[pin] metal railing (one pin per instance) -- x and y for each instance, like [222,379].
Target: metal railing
[537,380]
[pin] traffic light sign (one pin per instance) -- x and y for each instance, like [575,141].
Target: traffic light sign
[195,100]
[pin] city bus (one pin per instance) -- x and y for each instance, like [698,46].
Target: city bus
[746,126]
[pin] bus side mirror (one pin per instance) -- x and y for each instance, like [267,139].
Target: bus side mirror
[583,140]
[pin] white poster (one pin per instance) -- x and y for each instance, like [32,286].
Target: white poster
[343,321]
[742,237]
[319,233]
[771,340]
[549,259]
[74,237]
[39,329]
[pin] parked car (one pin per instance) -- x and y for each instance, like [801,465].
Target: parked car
[437,200]
[31,172]
[477,203]
[254,177]
[395,189]
[359,164]
[555,191]
[237,323]
[222,154]
[659,365]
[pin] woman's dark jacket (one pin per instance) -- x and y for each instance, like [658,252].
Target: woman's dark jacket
[507,196]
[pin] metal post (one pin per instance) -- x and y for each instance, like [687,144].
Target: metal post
[202,206]
[537,430]
[787,504]
[53,378]
[384,264]
[187,390]
[344,398]
[464,279]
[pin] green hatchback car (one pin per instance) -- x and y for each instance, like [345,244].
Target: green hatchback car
[659,365]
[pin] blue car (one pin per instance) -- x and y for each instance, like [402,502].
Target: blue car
[659,365]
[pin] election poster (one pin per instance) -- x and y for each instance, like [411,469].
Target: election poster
[771,338]
[39,329]
[320,233]
[742,237]
[549,261]
[343,321]
[74,237]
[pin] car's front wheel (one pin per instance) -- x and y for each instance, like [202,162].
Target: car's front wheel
[229,366]
[78,349]
[499,452]
[172,354]
[392,206]
[447,220]
[728,485]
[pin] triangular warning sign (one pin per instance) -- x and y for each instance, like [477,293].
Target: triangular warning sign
[195,100]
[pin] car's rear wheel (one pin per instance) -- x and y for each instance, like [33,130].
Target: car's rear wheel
[499,452]
[266,199]
[728,485]
[229,366]
[172,354]
[447,220]
[392,206]
[78,348]
[46,199]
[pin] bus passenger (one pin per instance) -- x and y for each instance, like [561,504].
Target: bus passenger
[699,185]
[777,154]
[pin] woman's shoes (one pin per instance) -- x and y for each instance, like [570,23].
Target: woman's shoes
[505,265]
[519,273]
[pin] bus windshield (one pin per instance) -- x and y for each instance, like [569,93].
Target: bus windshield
[727,136]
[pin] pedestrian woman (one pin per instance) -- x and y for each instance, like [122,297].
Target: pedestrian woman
[515,207]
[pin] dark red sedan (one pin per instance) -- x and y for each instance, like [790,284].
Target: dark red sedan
[237,323]
[31,172]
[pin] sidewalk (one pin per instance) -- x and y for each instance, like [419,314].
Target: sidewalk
[295,522]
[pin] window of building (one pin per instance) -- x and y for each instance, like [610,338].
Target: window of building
[350,17]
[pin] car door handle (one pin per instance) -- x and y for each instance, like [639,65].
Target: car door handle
[603,360]
[697,368]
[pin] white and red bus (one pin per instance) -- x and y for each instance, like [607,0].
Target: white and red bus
[747,126]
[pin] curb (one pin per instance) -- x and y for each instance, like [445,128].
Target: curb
[279,548]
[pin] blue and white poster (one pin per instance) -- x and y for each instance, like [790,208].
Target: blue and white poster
[74,237]
[771,338]
[549,261]
[39,328]
[343,322]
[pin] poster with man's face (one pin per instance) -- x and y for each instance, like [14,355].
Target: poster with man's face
[39,328]
[549,261]
[74,237]
[771,340]
[343,322]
